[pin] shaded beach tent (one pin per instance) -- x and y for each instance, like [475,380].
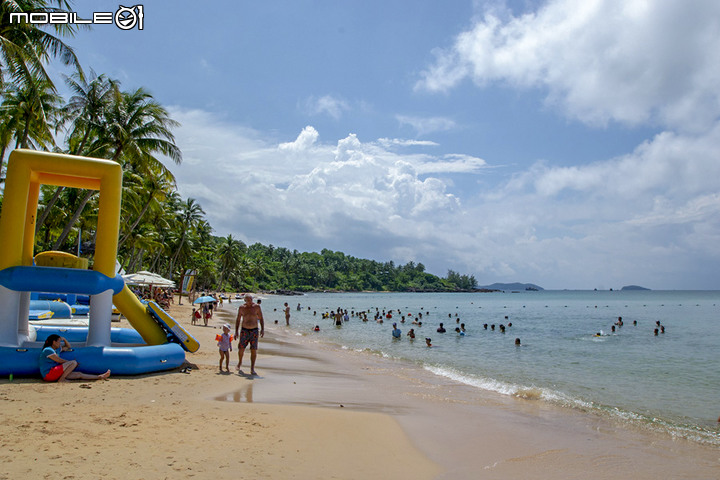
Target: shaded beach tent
[145,278]
[205,299]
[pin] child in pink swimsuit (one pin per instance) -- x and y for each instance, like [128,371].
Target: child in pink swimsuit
[224,342]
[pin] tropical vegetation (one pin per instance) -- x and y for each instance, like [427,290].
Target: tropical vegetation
[160,230]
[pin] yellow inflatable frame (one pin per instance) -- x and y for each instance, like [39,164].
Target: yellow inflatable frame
[28,170]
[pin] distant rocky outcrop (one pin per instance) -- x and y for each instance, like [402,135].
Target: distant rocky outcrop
[633,287]
[512,286]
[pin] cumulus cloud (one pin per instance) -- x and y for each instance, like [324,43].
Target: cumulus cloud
[632,62]
[303,142]
[267,191]
[653,210]
[650,213]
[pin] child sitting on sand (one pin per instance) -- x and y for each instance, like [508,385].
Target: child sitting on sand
[225,346]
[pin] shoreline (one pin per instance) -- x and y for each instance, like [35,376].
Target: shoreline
[450,420]
[317,411]
[467,430]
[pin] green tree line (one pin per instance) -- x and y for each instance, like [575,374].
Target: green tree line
[160,231]
[261,267]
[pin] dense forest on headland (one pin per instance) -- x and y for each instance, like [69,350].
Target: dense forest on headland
[160,231]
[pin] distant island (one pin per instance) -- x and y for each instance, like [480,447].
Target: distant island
[512,286]
[633,287]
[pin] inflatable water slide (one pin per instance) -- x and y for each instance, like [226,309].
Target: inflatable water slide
[157,342]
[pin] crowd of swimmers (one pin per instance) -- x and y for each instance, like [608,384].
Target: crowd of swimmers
[340,315]
[617,325]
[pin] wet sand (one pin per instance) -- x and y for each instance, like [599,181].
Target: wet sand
[315,411]
[472,433]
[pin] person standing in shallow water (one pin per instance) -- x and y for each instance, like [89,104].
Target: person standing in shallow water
[338,317]
[248,316]
[287,314]
[396,333]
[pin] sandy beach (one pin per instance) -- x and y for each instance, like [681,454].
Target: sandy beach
[314,411]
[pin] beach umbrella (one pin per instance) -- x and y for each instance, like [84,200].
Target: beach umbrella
[147,278]
[205,299]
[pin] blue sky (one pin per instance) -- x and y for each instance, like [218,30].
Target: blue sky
[564,143]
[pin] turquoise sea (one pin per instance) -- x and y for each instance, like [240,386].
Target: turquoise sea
[669,382]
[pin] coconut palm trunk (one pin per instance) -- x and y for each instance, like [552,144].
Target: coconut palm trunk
[68,226]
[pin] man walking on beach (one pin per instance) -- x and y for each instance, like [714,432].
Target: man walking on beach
[248,316]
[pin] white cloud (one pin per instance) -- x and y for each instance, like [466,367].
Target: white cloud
[453,163]
[702,209]
[326,105]
[304,141]
[600,60]
[670,164]
[652,213]
[401,142]
[233,173]
[426,125]
[639,218]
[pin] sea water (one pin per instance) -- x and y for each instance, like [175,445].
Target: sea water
[669,381]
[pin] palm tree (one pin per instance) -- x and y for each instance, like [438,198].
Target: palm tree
[159,223]
[150,191]
[203,233]
[87,107]
[85,111]
[6,132]
[144,240]
[29,113]
[228,255]
[188,218]
[133,129]
[25,47]
[258,267]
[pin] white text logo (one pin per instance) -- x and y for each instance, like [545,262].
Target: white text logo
[125,18]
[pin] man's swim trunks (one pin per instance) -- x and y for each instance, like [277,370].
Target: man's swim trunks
[249,335]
